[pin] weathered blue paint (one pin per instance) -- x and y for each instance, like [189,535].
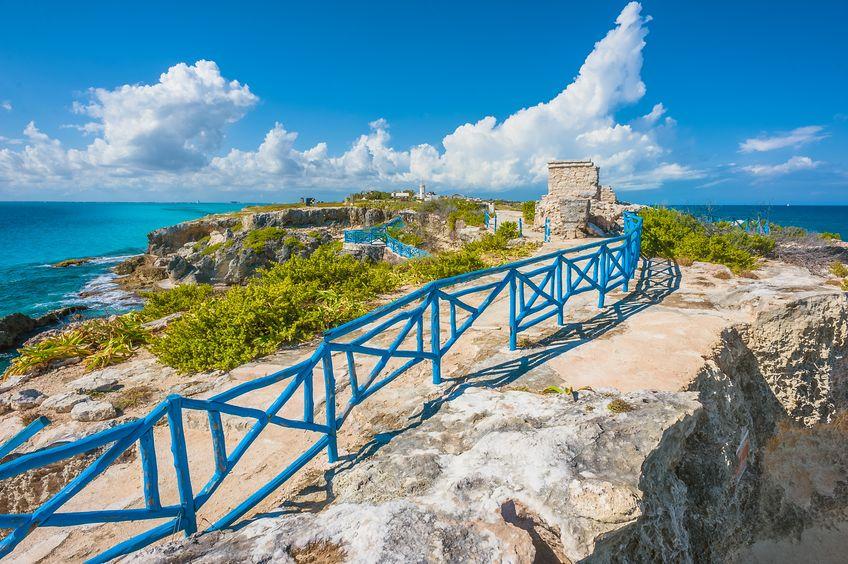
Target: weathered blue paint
[538,287]
[547,230]
[520,227]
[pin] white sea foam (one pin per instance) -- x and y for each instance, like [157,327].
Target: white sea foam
[103,293]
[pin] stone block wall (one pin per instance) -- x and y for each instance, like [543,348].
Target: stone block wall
[576,204]
[573,179]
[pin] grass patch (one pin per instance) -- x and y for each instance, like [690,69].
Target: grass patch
[133,397]
[200,243]
[211,249]
[288,303]
[618,405]
[257,239]
[828,236]
[679,236]
[838,269]
[99,342]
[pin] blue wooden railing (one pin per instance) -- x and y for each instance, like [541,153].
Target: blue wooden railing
[538,288]
[371,235]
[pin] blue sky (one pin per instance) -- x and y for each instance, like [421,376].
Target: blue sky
[753,105]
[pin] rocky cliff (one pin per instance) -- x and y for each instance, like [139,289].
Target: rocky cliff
[230,249]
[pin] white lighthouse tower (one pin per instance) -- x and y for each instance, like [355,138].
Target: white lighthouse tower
[421,192]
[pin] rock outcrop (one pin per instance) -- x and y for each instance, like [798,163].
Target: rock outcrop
[454,490]
[17,327]
[230,249]
[576,204]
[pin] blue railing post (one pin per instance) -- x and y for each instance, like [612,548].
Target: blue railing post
[147,449]
[513,325]
[496,223]
[308,397]
[520,227]
[486,218]
[547,230]
[603,271]
[187,519]
[330,402]
[558,291]
[435,337]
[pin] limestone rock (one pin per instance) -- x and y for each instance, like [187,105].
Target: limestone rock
[26,399]
[64,402]
[13,382]
[100,381]
[93,411]
[453,489]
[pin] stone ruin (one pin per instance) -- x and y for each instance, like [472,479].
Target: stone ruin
[576,203]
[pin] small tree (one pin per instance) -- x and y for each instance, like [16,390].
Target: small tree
[528,210]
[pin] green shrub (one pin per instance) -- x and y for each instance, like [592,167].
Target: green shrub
[184,297]
[296,300]
[443,265]
[257,239]
[293,243]
[675,235]
[663,229]
[405,235]
[828,236]
[528,211]
[508,230]
[288,303]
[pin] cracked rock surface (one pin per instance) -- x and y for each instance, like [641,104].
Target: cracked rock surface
[493,476]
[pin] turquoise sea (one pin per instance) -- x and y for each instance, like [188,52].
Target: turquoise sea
[35,235]
[832,219]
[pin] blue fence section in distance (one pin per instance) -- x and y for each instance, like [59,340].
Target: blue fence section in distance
[416,331]
[381,233]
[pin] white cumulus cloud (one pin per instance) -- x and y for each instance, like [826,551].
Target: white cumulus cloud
[795,138]
[6,105]
[171,133]
[794,164]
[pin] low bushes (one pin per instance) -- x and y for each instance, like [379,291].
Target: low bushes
[288,303]
[675,235]
[406,235]
[294,301]
[185,297]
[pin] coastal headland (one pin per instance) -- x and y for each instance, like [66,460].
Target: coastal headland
[699,415]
